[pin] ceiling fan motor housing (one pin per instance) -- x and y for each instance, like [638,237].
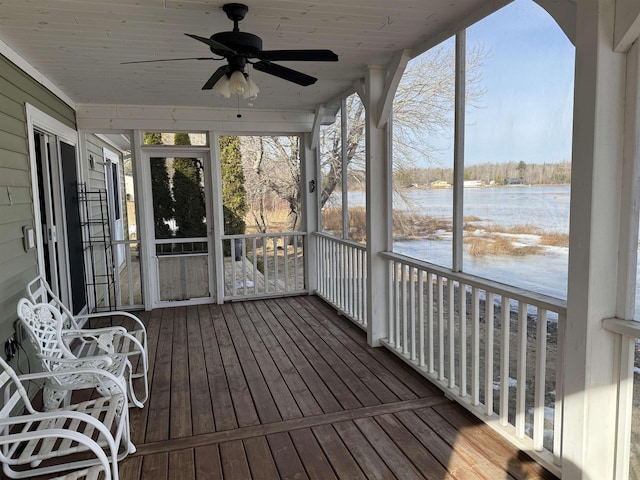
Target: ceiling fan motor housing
[243,43]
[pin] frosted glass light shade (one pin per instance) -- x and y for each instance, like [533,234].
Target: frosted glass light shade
[223,87]
[252,89]
[238,83]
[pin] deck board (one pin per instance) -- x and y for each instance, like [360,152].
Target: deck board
[286,388]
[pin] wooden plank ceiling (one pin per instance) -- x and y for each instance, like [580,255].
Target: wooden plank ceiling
[79,44]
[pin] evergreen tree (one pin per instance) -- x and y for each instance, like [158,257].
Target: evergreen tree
[160,190]
[234,196]
[188,194]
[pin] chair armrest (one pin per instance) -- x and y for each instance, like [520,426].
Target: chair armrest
[94,331]
[97,362]
[89,316]
[58,433]
[138,322]
[103,337]
[107,376]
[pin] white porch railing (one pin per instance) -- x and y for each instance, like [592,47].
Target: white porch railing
[263,265]
[494,348]
[628,430]
[342,275]
[128,280]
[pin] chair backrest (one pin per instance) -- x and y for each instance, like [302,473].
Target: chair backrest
[13,393]
[44,324]
[39,291]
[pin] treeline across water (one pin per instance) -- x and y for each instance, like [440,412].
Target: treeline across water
[488,173]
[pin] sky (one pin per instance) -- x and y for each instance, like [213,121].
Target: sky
[526,112]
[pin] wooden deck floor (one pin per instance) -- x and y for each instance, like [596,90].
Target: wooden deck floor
[287,389]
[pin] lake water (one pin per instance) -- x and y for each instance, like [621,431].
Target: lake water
[544,207]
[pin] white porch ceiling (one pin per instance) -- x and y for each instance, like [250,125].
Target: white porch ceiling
[78,44]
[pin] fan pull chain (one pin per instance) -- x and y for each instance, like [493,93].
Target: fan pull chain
[238,115]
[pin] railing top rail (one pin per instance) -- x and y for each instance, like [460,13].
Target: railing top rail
[166,241]
[629,328]
[514,293]
[263,235]
[343,241]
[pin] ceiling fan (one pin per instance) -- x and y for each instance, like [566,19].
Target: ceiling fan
[240,48]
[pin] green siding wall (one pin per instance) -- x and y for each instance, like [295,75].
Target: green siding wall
[17,267]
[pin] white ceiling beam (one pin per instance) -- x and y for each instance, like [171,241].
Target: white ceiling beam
[315,130]
[627,24]
[118,118]
[395,71]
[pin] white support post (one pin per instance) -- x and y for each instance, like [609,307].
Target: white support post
[310,185]
[142,171]
[458,153]
[378,209]
[217,221]
[590,385]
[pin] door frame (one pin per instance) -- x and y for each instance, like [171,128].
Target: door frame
[37,120]
[148,246]
[114,199]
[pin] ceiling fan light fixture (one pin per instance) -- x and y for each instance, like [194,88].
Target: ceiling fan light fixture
[252,89]
[223,87]
[238,83]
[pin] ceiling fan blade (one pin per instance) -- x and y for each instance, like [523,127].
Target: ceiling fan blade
[285,73]
[297,55]
[217,75]
[168,60]
[212,43]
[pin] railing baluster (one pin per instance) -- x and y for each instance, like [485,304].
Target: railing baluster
[405,307]
[412,313]
[430,321]
[521,367]
[275,264]
[296,267]
[504,361]
[540,388]
[243,254]
[255,265]
[463,339]
[396,267]
[451,331]
[475,348]
[265,263]
[421,315]
[233,267]
[393,302]
[488,354]
[354,284]
[441,366]
[129,272]
[285,244]
[557,411]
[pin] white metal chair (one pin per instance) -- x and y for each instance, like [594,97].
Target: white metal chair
[44,325]
[45,443]
[87,342]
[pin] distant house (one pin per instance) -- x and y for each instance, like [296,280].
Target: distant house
[514,181]
[440,184]
[473,184]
